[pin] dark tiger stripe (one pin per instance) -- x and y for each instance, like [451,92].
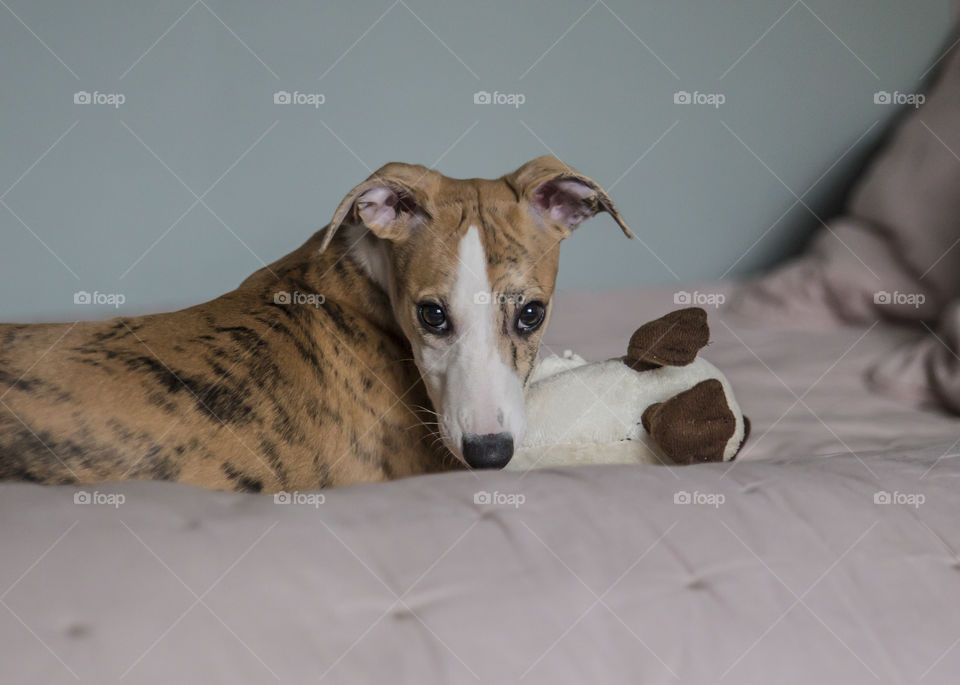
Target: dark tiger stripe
[244,483]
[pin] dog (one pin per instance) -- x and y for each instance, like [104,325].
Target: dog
[396,341]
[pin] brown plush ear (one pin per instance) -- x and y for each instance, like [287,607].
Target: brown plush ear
[671,340]
[391,203]
[562,196]
[694,426]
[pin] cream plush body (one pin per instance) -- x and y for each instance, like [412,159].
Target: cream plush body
[581,412]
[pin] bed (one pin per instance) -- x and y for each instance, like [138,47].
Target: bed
[825,553]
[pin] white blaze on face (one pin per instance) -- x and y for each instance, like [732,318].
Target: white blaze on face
[478,392]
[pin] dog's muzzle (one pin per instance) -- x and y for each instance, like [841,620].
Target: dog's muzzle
[491,451]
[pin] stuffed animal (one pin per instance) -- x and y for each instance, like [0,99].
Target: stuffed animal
[660,404]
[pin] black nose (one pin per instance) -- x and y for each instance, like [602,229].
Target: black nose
[491,451]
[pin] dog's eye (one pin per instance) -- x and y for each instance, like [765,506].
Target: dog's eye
[531,316]
[432,316]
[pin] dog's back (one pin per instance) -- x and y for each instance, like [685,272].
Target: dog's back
[263,388]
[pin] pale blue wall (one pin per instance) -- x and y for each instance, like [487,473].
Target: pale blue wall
[599,95]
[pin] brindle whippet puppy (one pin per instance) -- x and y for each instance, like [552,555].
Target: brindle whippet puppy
[396,341]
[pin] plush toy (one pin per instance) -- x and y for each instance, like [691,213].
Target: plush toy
[660,404]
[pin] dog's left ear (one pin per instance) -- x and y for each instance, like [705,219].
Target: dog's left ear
[391,202]
[561,195]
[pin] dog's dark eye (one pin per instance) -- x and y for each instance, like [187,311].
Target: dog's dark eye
[531,316]
[432,316]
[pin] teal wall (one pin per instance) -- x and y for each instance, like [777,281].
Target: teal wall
[103,198]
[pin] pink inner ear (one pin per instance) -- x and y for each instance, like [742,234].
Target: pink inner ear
[377,207]
[564,201]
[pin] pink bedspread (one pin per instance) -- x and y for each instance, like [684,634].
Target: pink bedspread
[784,567]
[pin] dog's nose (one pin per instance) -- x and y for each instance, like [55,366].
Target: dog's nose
[491,451]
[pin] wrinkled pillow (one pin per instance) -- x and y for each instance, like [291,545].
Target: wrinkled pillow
[942,363]
[847,275]
[895,252]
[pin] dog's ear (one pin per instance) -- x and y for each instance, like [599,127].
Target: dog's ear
[561,195]
[391,203]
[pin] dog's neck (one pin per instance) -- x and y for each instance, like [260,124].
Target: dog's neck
[352,272]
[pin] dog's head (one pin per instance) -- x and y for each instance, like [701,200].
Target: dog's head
[470,266]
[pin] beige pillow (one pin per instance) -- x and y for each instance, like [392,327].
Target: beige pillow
[895,253]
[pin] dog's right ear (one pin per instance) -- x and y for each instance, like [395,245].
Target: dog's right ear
[391,203]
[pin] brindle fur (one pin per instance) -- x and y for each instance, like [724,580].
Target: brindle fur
[244,393]
[237,393]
